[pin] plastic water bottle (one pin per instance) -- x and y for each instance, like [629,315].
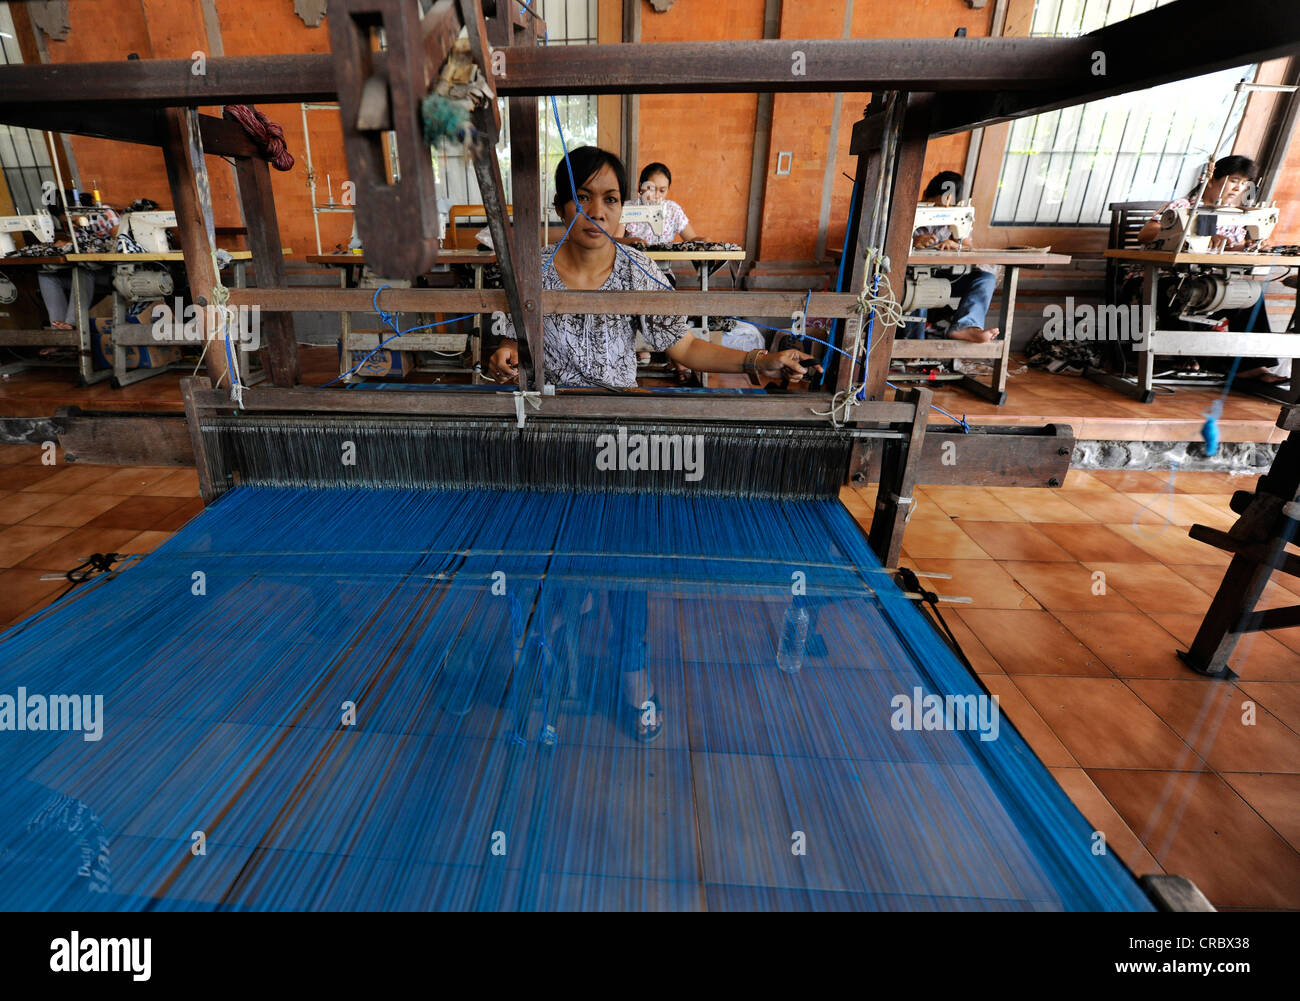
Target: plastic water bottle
[794,637]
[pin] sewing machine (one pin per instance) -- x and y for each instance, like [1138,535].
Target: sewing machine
[1190,231]
[959,218]
[149,229]
[40,225]
[653,215]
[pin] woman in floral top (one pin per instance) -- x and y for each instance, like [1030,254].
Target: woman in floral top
[653,187]
[600,350]
[1233,176]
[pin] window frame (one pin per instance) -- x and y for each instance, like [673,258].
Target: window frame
[1076,238]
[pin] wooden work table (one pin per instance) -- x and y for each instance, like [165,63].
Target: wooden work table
[998,351]
[1152,342]
[79,337]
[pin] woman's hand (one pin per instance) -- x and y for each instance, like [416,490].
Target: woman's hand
[633,241]
[1218,243]
[949,245]
[924,242]
[788,364]
[504,363]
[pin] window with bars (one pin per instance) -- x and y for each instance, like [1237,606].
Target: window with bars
[24,156]
[1063,168]
[568,22]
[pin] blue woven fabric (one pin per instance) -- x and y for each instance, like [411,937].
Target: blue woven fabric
[410,700]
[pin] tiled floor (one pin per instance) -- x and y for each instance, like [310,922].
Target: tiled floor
[1075,618]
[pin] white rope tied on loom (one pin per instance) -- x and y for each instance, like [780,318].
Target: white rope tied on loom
[876,300]
[220,298]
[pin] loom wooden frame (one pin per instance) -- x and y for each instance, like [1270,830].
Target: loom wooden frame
[924,87]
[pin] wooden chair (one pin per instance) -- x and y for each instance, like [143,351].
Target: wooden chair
[1126,221]
[460,228]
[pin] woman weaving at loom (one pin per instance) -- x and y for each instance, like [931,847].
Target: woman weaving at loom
[600,350]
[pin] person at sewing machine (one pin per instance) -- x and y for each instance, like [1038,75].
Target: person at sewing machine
[96,230]
[600,350]
[1230,180]
[652,189]
[975,288]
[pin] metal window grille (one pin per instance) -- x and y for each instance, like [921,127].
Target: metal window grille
[1064,167]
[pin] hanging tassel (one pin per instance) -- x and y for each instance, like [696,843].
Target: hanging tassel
[1210,429]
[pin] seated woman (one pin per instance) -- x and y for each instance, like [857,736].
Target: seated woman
[95,228]
[653,187]
[1231,178]
[599,350]
[975,288]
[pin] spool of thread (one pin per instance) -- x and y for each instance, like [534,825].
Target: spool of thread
[94,193]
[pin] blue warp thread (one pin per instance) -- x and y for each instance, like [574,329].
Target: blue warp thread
[223,712]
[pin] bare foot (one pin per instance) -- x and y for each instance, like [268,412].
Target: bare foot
[60,325]
[1263,375]
[973,334]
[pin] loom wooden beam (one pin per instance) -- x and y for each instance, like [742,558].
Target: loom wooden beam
[526,231]
[827,304]
[397,219]
[187,175]
[280,349]
[221,137]
[899,464]
[285,78]
[870,195]
[908,169]
[192,389]
[1126,56]
[795,65]
[647,405]
[1044,72]
[487,170]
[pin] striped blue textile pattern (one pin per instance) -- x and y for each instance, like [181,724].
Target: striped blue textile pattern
[402,699]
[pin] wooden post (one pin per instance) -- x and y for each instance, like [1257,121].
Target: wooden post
[899,463]
[280,346]
[908,167]
[525,186]
[192,202]
[208,485]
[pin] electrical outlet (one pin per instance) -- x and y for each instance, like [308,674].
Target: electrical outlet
[784,161]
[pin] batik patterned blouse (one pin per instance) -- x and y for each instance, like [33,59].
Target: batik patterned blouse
[600,350]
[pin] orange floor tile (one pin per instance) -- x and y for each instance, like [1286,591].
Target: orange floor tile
[1074,625]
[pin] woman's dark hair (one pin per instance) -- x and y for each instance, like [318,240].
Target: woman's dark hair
[649,171]
[1226,166]
[1229,165]
[943,182]
[586,162]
